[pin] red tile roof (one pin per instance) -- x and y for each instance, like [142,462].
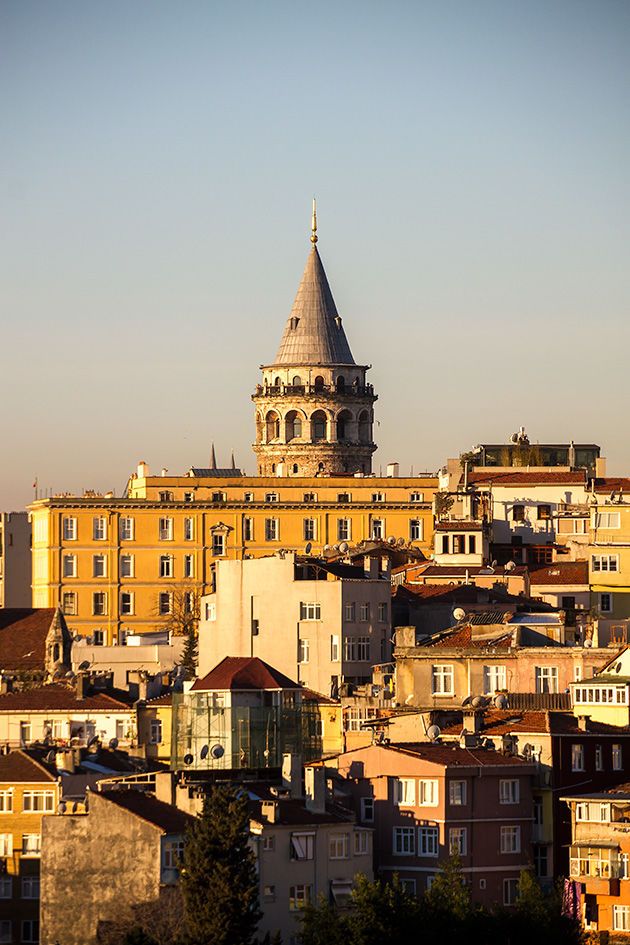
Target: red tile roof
[561,572]
[612,484]
[525,477]
[449,526]
[509,721]
[60,698]
[462,638]
[23,633]
[19,767]
[460,570]
[244,672]
[168,818]
[165,699]
[451,755]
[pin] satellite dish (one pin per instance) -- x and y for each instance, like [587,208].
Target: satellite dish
[391,540]
[588,643]
[85,664]
[188,759]
[434,732]
[494,564]
[204,752]
[62,807]
[466,701]
[92,741]
[309,548]
[69,674]
[217,751]
[343,547]
[476,702]
[510,566]
[400,542]
[113,744]
[50,758]
[459,613]
[501,700]
[326,548]
[335,547]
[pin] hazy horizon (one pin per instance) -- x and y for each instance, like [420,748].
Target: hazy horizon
[471,168]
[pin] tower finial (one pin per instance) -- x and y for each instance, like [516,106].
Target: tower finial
[314,223]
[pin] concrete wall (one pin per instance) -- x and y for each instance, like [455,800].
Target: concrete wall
[15,559]
[87,879]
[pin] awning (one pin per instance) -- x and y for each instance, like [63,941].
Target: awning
[341,890]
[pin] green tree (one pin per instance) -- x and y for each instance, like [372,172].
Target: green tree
[190,655]
[323,924]
[449,894]
[218,876]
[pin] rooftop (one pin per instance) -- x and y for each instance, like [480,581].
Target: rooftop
[527,477]
[23,633]
[511,721]
[560,573]
[451,755]
[168,818]
[243,672]
[20,767]
[59,697]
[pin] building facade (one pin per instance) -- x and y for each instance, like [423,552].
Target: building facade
[15,559]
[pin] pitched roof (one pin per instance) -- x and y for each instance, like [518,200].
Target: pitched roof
[314,333]
[19,766]
[60,698]
[510,721]
[165,816]
[462,637]
[612,484]
[244,672]
[561,572]
[23,632]
[448,525]
[527,477]
[460,570]
[452,755]
[206,472]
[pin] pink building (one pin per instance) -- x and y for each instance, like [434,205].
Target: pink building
[425,800]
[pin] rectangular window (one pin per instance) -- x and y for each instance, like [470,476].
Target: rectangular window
[349,613]
[165,529]
[126,566]
[459,544]
[310,497]
[378,529]
[334,648]
[98,637]
[378,497]
[218,544]
[269,842]
[6,844]
[69,603]
[457,793]
[189,529]
[30,887]
[543,512]
[428,841]
[310,611]
[415,529]
[443,683]
[272,529]
[606,519]
[338,846]
[99,528]
[617,758]
[416,497]
[99,566]
[173,853]
[367,810]
[6,889]
[510,891]
[165,496]
[494,679]
[248,529]
[604,562]
[211,611]
[309,529]
[218,497]
[30,931]
[69,566]
[577,757]
[34,802]
[271,497]
[546,678]
[303,651]
[621,918]
[428,793]
[126,529]
[605,603]
[300,897]
[457,840]
[518,513]
[302,846]
[404,841]
[361,843]
[166,566]
[344,497]
[99,603]
[599,758]
[189,566]
[510,839]
[364,612]
[382,613]
[6,801]
[155,735]
[164,603]
[126,603]
[509,791]
[31,844]
[344,529]
[472,544]
[248,497]
[405,792]
[189,496]
[69,529]
[26,733]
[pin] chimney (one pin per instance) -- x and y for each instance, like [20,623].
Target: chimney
[270,811]
[82,686]
[583,721]
[315,789]
[143,470]
[473,721]
[6,685]
[393,470]
[292,774]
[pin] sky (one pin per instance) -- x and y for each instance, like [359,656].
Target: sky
[158,161]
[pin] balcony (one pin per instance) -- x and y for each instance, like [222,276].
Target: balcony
[326,391]
[600,869]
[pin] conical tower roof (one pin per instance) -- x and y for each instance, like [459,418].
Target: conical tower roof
[314,333]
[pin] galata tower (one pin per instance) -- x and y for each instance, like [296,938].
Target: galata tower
[314,409]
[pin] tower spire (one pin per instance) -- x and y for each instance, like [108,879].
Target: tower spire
[213,459]
[314,223]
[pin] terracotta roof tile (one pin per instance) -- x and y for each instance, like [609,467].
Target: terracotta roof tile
[23,633]
[612,484]
[451,755]
[525,477]
[18,767]
[462,637]
[61,698]
[508,721]
[244,672]
[561,572]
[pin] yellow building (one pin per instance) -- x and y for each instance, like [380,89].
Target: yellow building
[28,791]
[154,727]
[609,559]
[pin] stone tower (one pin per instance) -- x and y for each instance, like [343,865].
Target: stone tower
[314,409]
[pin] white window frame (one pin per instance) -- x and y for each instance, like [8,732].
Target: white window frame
[443,679]
[361,842]
[334,648]
[416,497]
[457,793]
[300,896]
[166,566]
[165,603]
[344,529]
[99,528]
[69,603]
[31,844]
[165,529]
[510,839]
[367,810]
[416,529]
[189,528]
[509,791]
[272,529]
[172,853]
[546,679]
[349,612]
[38,802]
[99,603]
[310,610]
[617,757]
[510,891]
[6,844]
[6,801]
[621,918]
[606,520]
[428,841]
[304,650]
[127,566]
[377,529]
[494,679]
[405,792]
[403,841]
[155,732]
[127,528]
[30,887]
[577,756]
[428,792]
[457,840]
[605,563]
[218,544]
[127,602]
[338,846]
[189,566]
[69,566]
[302,845]
[310,529]
[70,528]
[99,566]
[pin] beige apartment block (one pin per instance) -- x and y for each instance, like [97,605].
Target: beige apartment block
[15,559]
[321,623]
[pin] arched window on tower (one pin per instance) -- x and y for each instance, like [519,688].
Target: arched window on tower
[277,382]
[341,384]
[343,426]
[273,426]
[297,381]
[319,382]
[318,425]
[365,427]
[293,425]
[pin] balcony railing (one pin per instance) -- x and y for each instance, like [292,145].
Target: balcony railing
[583,867]
[326,390]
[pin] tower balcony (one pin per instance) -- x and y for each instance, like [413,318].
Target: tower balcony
[326,391]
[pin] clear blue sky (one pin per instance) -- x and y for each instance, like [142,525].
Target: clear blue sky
[158,161]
